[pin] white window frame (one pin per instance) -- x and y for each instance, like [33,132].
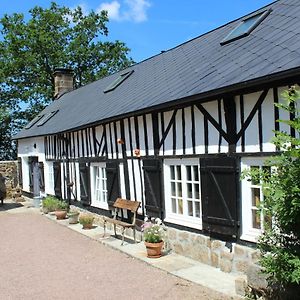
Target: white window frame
[181,219]
[102,189]
[249,233]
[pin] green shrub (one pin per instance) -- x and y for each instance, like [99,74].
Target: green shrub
[280,241]
[50,203]
[86,219]
[62,205]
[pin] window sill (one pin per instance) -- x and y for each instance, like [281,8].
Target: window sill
[99,205]
[184,221]
[251,236]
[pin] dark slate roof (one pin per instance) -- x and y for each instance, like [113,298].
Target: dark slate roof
[197,67]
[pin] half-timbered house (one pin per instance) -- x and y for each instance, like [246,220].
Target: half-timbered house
[174,131]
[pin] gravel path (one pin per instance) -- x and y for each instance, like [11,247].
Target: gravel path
[39,259]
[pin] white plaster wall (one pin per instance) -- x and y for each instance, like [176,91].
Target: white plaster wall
[30,147]
[188,131]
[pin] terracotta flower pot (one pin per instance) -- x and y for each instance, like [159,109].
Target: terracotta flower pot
[154,249]
[87,226]
[60,214]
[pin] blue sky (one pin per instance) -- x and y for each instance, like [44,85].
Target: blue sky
[150,26]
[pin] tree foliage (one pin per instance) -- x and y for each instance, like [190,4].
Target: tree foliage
[32,47]
[280,241]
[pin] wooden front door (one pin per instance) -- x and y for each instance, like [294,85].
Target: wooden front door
[34,175]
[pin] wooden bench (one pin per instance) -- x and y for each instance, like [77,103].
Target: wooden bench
[120,204]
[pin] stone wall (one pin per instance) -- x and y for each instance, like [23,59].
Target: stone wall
[9,169]
[227,257]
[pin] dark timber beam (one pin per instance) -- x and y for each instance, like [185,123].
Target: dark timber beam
[168,127]
[213,122]
[155,133]
[230,120]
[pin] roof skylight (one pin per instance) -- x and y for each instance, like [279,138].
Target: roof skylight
[46,118]
[33,121]
[245,27]
[118,81]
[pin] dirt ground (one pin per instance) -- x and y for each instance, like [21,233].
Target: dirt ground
[39,259]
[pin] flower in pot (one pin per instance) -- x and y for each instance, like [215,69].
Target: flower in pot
[61,210]
[49,204]
[73,216]
[154,233]
[86,220]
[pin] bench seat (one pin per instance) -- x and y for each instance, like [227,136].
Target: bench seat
[121,204]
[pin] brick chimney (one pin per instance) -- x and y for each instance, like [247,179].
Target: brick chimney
[63,81]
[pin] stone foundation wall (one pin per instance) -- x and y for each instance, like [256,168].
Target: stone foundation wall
[9,169]
[212,252]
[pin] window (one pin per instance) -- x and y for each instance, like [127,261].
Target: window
[118,81]
[32,122]
[182,192]
[99,186]
[245,27]
[46,118]
[252,198]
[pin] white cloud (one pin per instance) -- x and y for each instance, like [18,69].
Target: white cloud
[112,8]
[134,10]
[137,10]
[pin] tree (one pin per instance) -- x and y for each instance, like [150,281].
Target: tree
[280,241]
[30,50]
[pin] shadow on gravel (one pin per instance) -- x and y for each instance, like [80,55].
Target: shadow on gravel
[8,206]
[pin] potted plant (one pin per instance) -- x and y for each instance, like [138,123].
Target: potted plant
[49,204]
[86,220]
[61,209]
[73,216]
[154,233]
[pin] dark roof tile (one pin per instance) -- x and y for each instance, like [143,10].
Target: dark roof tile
[193,68]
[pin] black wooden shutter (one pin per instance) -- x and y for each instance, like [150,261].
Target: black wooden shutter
[219,183]
[152,182]
[41,176]
[113,185]
[20,177]
[84,176]
[57,179]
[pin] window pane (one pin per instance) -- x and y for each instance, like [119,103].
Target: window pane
[255,197]
[180,206]
[256,219]
[197,209]
[174,205]
[173,190]
[188,173]
[196,173]
[190,208]
[172,170]
[197,192]
[178,168]
[179,189]
[189,190]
